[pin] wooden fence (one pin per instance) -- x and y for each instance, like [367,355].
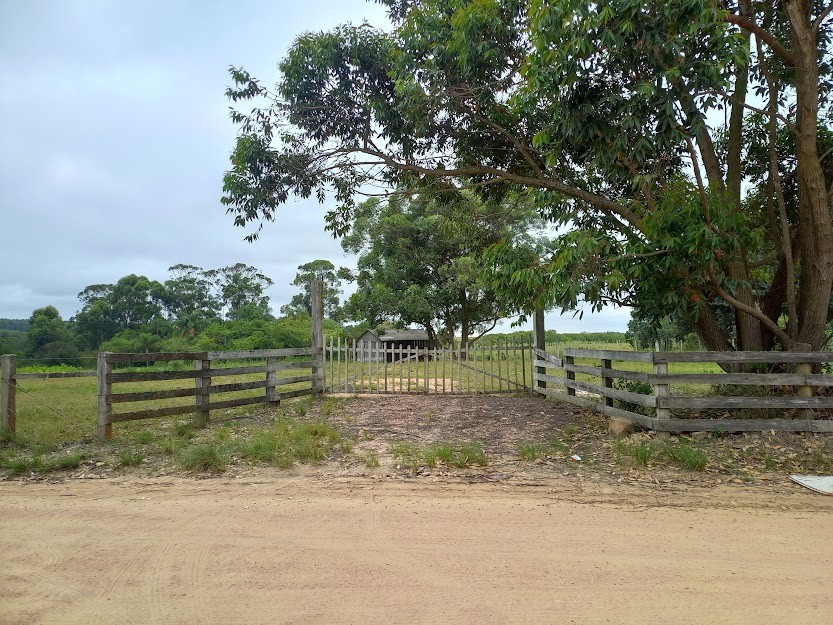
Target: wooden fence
[372,367]
[204,371]
[663,402]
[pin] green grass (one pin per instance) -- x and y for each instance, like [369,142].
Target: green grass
[371,460]
[459,455]
[680,453]
[131,457]
[533,450]
[289,441]
[22,465]
[203,458]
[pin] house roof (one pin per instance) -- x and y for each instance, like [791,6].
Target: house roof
[404,335]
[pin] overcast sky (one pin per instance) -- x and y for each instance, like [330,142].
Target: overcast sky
[116,135]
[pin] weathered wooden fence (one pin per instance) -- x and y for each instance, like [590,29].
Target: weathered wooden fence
[365,367]
[801,382]
[204,373]
[8,387]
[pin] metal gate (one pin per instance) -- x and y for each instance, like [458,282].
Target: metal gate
[493,366]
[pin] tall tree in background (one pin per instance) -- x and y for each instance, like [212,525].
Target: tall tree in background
[241,289]
[301,303]
[420,260]
[605,112]
[48,336]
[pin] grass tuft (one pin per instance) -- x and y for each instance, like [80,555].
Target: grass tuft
[289,441]
[371,460]
[203,458]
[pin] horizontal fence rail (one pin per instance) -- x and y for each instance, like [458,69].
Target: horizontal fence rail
[580,392]
[373,367]
[206,368]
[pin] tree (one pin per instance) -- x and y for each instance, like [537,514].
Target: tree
[605,112]
[301,303]
[420,260]
[48,336]
[131,303]
[188,297]
[240,285]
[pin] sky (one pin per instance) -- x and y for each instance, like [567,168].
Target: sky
[115,138]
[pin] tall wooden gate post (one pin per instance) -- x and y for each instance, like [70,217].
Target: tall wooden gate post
[540,339]
[8,388]
[105,407]
[317,301]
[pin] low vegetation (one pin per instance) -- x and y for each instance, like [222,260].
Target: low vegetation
[457,455]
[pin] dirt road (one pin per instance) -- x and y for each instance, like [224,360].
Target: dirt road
[273,549]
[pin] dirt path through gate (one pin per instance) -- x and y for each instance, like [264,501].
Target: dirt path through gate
[267,548]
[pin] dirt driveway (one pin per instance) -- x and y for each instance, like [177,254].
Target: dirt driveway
[278,548]
[550,541]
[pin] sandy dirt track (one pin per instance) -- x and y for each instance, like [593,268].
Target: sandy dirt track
[276,549]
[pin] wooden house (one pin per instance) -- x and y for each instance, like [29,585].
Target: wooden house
[391,345]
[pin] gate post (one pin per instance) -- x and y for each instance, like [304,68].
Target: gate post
[540,342]
[317,301]
[8,387]
[105,407]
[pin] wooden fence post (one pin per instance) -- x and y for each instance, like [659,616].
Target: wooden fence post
[661,392]
[317,296]
[804,368]
[273,400]
[105,407]
[8,388]
[607,381]
[203,383]
[540,338]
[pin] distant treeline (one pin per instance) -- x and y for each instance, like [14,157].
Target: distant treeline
[553,336]
[17,325]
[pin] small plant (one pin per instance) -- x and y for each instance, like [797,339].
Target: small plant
[328,406]
[371,460]
[531,451]
[470,453]
[642,453]
[204,458]
[408,454]
[222,435]
[687,456]
[19,466]
[69,461]
[183,430]
[144,437]
[301,408]
[6,434]
[131,457]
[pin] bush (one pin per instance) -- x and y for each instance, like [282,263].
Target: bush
[633,386]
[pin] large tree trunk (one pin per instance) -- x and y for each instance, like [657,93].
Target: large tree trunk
[815,233]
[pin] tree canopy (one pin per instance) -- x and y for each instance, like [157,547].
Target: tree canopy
[325,272]
[420,260]
[684,144]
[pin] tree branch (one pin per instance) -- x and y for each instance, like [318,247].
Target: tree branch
[767,37]
[785,339]
[822,16]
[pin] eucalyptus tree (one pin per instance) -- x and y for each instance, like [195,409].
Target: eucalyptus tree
[628,121]
[326,273]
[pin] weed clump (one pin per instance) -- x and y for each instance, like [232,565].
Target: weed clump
[203,458]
